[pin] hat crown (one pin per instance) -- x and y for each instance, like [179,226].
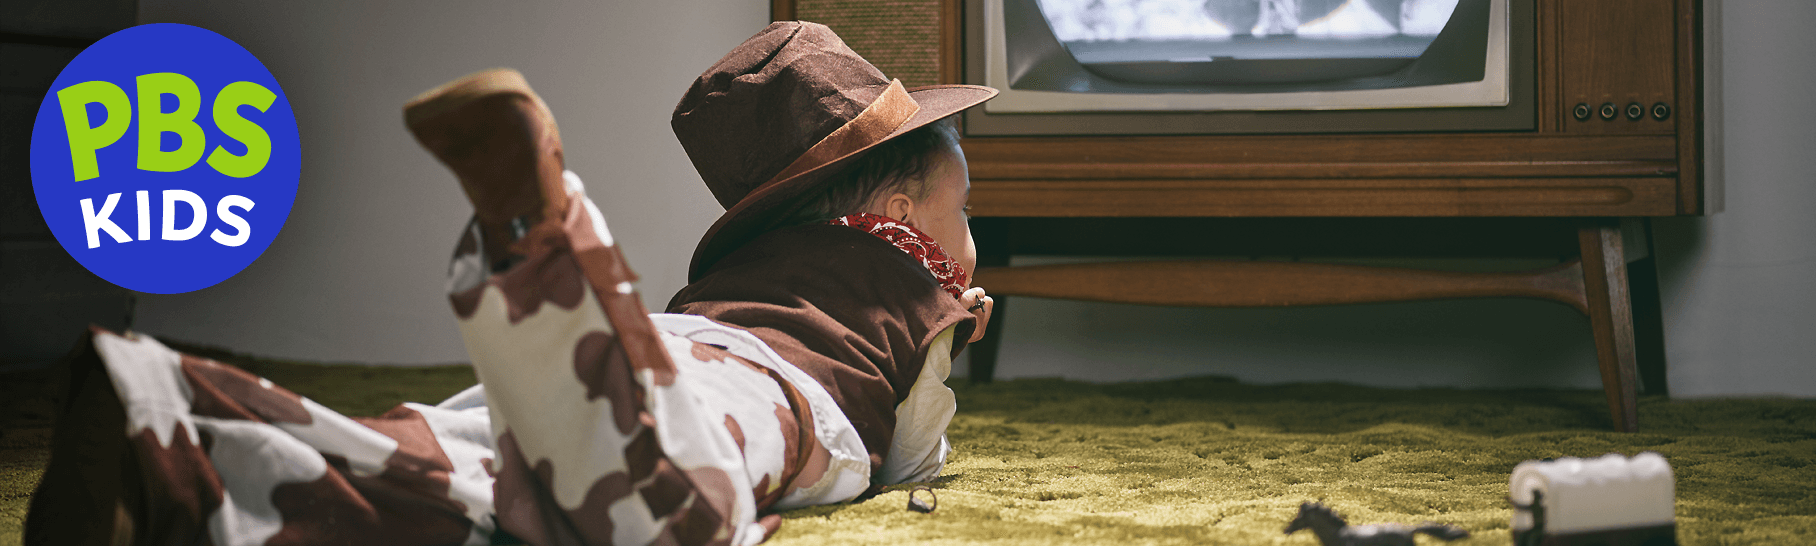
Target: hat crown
[768,101]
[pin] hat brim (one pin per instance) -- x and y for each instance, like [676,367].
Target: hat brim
[755,214]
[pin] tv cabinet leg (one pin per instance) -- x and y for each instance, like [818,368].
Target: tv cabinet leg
[993,250]
[1611,318]
[983,353]
[1648,317]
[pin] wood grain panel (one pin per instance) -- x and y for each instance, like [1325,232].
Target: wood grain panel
[1352,237]
[1551,116]
[1215,283]
[1620,52]
[1336,197]
[988,155]
[1477,169]
[1690,191]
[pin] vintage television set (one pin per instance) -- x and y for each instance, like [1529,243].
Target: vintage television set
[1319,128]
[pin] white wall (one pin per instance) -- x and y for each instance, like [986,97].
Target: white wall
[1740,286]
[356,273]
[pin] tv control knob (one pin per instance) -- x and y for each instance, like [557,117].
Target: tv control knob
[1609,110]
[1581,111]
[1661,111]
[1635,111]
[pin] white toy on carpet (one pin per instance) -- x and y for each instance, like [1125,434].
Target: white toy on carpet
[1606,500]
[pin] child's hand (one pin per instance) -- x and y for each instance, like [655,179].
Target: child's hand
[980,306]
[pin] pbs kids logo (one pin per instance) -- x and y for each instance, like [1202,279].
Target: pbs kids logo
[165,158]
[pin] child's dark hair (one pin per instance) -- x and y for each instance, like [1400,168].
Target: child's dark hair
[898,166]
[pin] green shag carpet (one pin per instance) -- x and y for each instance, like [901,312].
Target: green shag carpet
[1212,461]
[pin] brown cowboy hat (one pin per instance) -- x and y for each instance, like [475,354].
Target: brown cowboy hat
[782,114]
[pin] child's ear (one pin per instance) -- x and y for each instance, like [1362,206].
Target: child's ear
[899,207]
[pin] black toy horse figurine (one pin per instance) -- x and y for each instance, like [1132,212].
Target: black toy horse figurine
[1333,531]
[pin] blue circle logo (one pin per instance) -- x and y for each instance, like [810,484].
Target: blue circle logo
[165,158]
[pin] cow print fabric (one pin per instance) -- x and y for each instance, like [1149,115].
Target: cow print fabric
[614,431]
[215,455]
[595,423]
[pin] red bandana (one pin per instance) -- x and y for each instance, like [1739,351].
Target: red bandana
[951,275]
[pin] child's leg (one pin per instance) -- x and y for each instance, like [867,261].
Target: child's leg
[596,442]
[608,431]
[157,447]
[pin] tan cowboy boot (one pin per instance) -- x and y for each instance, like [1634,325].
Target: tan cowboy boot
[501,142]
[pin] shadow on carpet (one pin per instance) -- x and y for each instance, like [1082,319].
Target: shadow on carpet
[1205,460]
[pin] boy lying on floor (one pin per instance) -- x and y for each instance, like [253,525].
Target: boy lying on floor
[803,365]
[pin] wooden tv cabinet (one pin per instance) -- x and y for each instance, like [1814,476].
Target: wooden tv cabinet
[1558,190]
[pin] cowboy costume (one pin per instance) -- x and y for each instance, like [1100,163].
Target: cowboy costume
[802,364]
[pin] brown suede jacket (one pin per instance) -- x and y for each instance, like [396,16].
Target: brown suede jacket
[847,307]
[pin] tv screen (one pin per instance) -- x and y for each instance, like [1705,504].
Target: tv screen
[1162,45]
[1167,65]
